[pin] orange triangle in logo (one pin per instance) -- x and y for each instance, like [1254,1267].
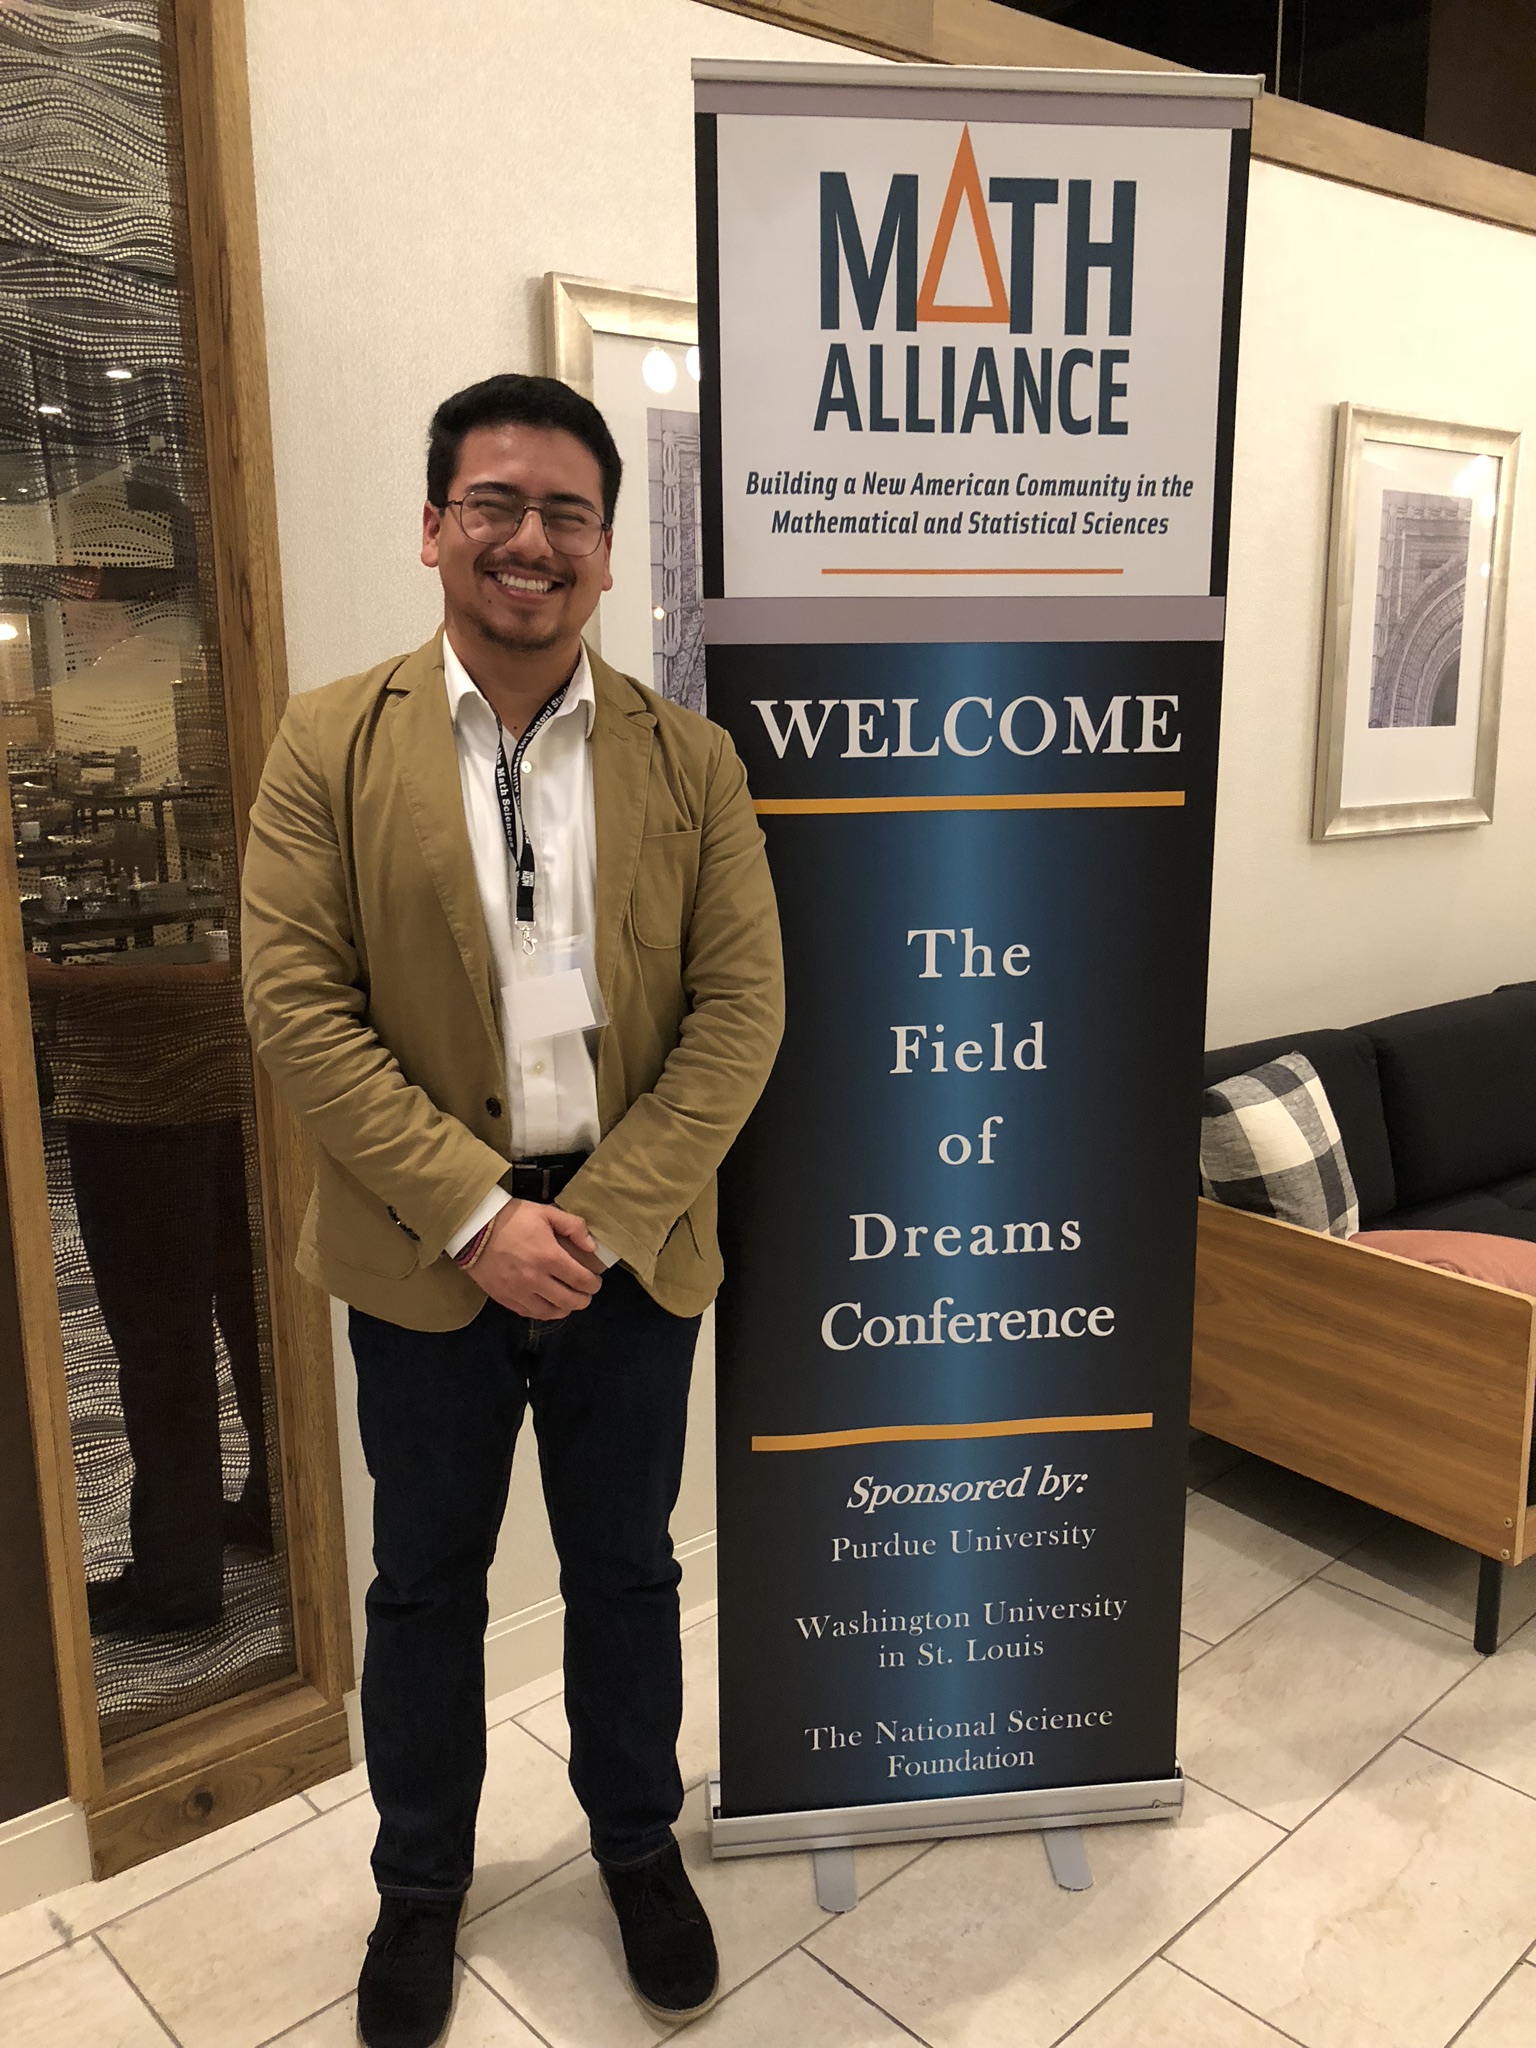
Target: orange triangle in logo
[964,183]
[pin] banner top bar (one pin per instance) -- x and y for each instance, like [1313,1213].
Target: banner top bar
[984,77]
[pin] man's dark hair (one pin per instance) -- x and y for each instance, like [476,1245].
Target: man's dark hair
[515,401]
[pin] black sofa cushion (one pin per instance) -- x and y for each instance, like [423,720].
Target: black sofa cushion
[1483,1213]
[1458,1084]
[1346,1065]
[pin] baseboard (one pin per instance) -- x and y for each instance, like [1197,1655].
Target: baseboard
[48,1850]
[524,1649]
[352,1702]
[43,1852]
[699,1557]
[526,1646]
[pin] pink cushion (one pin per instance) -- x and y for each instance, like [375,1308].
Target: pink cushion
[1503,1261]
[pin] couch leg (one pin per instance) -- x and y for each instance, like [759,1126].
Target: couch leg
[1490,1591]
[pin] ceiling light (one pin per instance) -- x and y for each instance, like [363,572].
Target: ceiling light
[659,371]
[692,360]
[8,631]
[660,612]
[121,376]
[53,411]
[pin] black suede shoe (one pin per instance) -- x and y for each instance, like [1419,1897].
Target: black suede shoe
[405,1993]
[668,1945]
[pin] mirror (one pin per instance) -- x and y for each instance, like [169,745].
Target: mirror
[121,811]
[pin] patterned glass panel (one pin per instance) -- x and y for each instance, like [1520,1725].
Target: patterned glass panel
[112,712]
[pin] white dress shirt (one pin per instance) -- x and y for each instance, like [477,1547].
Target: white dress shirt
[551,1083]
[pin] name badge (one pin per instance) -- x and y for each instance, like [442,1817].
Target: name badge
[556,992]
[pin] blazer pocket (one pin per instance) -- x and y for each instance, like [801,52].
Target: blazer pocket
[354,1228]
[662,902]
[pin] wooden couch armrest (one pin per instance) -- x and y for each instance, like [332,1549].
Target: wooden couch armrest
[1399,1384]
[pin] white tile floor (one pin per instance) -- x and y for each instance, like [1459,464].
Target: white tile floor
[1355,1866]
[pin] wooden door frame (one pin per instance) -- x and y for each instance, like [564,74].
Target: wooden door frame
[174,1783]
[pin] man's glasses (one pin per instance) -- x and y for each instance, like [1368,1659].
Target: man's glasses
[490,517]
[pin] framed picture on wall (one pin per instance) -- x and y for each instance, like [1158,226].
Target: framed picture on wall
[634,352]
[1413,639]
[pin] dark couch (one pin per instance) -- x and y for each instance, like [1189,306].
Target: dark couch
[1405,1385]
[1436,1107]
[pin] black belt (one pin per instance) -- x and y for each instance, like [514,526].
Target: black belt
[541,1179]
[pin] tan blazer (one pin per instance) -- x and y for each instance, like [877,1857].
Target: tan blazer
[371,998]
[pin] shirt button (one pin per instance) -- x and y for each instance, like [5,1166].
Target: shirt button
[493,1105]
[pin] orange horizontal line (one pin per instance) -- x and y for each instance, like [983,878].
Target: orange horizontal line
[949,1432]
[973,572]
[1053,800]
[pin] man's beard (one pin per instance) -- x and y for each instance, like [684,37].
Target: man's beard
[531,640]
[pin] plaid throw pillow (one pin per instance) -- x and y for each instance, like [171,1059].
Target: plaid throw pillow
[1269,1143]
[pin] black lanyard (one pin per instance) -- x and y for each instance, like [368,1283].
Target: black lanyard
[509,793]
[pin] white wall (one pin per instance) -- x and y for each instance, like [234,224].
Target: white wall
[420,164]
[1350,295]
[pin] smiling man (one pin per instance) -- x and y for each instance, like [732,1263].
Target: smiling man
[512,956]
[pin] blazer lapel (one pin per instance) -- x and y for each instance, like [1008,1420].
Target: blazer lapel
[427,761]
[622,734]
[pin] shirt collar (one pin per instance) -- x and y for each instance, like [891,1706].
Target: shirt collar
[580,694]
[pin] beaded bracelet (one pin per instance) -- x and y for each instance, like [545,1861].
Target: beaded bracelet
[465,1258]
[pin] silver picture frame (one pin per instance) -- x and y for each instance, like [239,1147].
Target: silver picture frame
[1432,731]
[576,308]
[652,620]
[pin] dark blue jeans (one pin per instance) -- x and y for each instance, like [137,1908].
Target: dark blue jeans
[439,1413]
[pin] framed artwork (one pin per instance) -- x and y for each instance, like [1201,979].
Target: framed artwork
[1413,640]
[634,352]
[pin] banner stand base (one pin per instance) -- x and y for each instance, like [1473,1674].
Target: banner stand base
[923,1820]
[837,1880]
[1067,1854]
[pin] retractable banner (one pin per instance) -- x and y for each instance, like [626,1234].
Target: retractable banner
[969,345]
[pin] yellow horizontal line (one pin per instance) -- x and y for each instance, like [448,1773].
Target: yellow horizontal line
[949,1432]
[1053,800]
[973,572]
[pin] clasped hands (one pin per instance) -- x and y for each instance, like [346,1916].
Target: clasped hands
[538,1261]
